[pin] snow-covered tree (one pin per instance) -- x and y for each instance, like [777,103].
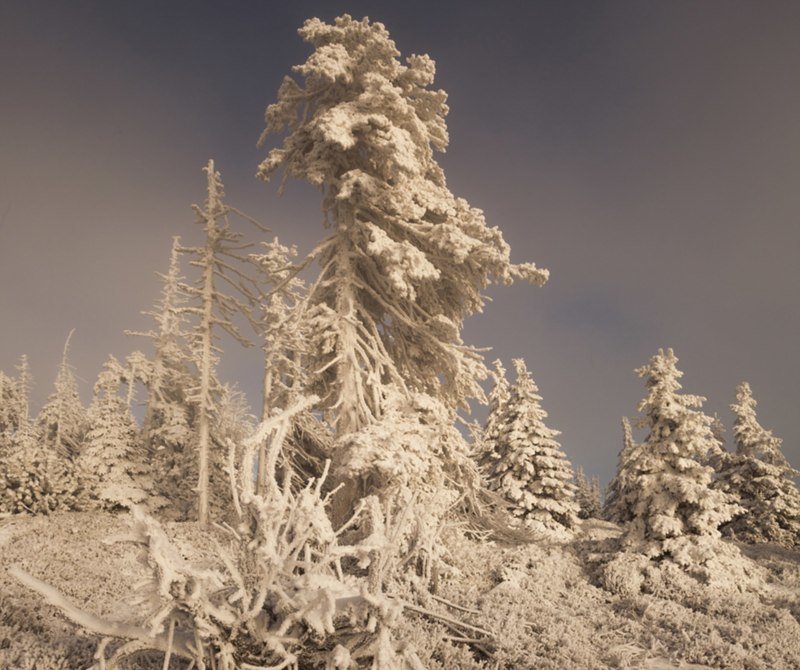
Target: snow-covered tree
[217,260]
[62,419]
[761,479]
[498,397]
[587,495]
[111,457]
[525,462]
[283,332]
[9,405]
[15,425]
[666,487]
[405,261]
[35,477]
[168,429]
[24,383]
[618,506]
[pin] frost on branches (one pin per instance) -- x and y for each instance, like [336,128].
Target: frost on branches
[111,455]
[62,420]
[276,596]
[587,495]
[618,506]
[669,490]
[169,421]
[760,477]
[406,260]
[525,463]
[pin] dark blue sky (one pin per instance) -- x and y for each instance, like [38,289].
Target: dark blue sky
[647,153]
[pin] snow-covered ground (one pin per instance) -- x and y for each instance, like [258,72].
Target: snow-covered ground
[544,605]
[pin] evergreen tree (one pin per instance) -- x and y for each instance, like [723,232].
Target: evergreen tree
[9,419]
[525,462]
[760,477]
[283,332]
[618,505]
[168,431]
[587,495]
[112,457]
[214,310]
[62,420]
[498,397]
[667,482]
[406,261]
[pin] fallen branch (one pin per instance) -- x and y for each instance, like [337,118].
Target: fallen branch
[97,625]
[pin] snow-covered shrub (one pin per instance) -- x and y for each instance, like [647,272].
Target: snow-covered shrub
[624,573]
[34,481]
[278,593]
[525,463]
[760,477]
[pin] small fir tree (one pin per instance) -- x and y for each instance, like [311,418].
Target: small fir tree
[9,418]
[62,420]
[587,495]
[525,462]
[618,505]
[498,397]
[667,486]
[760,477]
[112,457]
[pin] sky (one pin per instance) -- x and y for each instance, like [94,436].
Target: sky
[647,153]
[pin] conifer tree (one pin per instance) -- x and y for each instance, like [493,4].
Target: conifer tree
[587,495]
[9,418]
[283,331]
[498,397]
[217,260]
[618,505]
[525,462]
[112,457]
[761,479]
[23,388]
[666,487]
[168,429]
[405,261]
[62,420]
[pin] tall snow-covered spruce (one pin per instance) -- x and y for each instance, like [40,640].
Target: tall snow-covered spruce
[524,461]
[760,477]
[405,261]
[668,486]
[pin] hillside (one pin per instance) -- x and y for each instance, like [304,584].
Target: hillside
[544,605]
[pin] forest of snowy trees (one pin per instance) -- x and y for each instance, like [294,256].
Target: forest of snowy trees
[337,505]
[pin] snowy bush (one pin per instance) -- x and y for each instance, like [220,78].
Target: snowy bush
[37,482]
[278,594]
